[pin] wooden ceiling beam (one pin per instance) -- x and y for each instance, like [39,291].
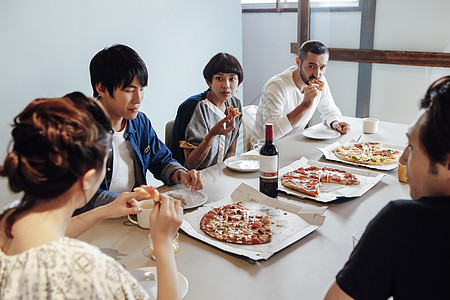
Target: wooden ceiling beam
[411,58]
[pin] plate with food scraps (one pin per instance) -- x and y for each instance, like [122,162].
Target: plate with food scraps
[193,198]
[243,163]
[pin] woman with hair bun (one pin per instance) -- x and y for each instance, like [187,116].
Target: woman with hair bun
[58,160]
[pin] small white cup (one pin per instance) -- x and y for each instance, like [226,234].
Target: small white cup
[143,218]
[370,125]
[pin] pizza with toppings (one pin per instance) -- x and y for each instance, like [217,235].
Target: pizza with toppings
[309,180]
[303,184]
[368,153]
[235,223]
[318,83]
[233,112]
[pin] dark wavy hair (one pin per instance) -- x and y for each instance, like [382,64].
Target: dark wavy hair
[223,63]
[115,67]
[55,141]
[434,133]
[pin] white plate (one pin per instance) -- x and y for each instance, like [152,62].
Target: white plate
[147,278]
[243,163]
[320,133]
[193,198]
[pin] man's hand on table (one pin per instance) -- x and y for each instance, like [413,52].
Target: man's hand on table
[192,179]
[341,127]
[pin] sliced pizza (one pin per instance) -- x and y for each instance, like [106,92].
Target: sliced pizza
[233,112]
[235,223]
[186,145]
[368,153]
[301,183]
[317,83]
[147,192]
[330,175]
[308,180]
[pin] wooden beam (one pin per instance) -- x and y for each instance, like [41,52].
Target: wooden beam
[304,15]
[363,90]
[366,40]
[410,58]
[303,23]
[278,7]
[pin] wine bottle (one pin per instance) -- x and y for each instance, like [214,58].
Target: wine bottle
[268,165]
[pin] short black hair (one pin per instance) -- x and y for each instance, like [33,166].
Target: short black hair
[223,63]
[313,46]
[116,67]
[434,133]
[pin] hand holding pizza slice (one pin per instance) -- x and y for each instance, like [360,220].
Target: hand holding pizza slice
[149,192]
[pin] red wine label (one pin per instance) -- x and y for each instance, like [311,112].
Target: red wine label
[268,166]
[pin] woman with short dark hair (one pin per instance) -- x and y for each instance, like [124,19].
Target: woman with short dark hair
[205,127]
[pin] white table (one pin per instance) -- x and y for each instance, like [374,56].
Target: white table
[304,270]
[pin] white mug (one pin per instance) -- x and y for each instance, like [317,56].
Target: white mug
[143,218]
[370,125]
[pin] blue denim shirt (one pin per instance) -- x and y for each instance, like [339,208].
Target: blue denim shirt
[149,154]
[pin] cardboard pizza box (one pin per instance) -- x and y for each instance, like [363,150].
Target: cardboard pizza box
[290,222]
[333,191]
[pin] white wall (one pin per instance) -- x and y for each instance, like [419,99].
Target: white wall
[46,47]
[400,25]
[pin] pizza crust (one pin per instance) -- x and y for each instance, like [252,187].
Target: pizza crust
[186,145]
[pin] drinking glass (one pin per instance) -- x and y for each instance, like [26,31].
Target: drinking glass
[175,243]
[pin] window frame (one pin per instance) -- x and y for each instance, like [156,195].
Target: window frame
[293,7]
[366,55]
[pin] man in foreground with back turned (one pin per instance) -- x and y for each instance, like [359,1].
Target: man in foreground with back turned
[404,251]
[289,99]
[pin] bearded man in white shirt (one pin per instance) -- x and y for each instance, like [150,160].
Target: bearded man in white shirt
[289,101]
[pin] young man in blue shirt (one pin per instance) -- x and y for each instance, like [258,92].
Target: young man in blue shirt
[118,77]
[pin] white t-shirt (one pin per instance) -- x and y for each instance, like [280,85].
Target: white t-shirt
[66,269]
[280,96]
[122,179]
